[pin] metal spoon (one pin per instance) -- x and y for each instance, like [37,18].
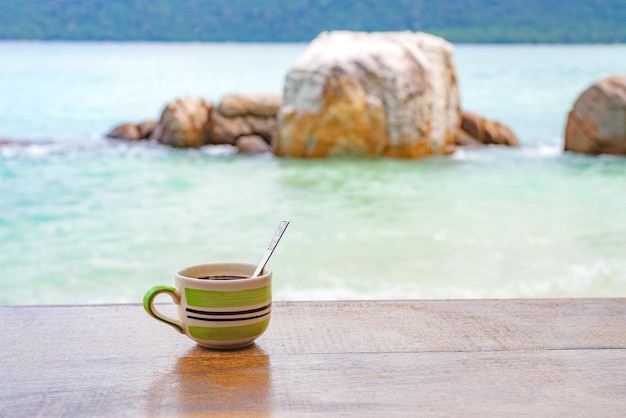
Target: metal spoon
[270,249]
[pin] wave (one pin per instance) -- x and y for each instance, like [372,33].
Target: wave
[492,153]
[10,149]
[101,146]
[70,148]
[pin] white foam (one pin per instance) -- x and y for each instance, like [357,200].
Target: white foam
[219,149]
[492,153]
[542,151]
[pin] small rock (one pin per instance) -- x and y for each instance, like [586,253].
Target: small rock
[264,127]
[252,144]
[146,128]
[225,130]
[127,131]
[485,131]
[184,123]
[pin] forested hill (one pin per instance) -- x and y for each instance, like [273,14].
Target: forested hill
[459,21]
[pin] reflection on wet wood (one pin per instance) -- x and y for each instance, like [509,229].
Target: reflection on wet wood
[489,357]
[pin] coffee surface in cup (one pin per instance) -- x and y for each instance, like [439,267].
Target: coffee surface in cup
[227,277]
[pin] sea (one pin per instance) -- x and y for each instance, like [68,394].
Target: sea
[85,219]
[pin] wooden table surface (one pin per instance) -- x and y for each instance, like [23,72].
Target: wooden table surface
[559,357]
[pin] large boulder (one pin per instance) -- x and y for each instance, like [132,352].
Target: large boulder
[597,122]
[184,123]
[374,94]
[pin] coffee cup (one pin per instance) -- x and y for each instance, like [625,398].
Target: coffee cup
[219,305]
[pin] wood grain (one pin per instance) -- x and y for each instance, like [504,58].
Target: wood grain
[370,358]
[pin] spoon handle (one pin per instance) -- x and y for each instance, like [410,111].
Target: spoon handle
[270,249]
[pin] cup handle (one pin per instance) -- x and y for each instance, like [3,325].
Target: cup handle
[148,305]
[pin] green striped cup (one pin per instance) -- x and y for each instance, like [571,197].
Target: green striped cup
[219,305]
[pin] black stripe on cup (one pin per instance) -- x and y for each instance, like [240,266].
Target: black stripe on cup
[228,319]
[210,315]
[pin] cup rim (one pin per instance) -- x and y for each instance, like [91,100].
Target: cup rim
[265,274]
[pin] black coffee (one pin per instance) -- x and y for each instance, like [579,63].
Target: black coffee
[230,277]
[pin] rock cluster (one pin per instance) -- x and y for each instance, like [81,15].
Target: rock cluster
[597,122]
[391,94]
[247,122]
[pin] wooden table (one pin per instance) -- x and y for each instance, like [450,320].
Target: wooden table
[563,357]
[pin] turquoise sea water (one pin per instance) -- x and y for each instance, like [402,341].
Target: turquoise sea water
[84,219]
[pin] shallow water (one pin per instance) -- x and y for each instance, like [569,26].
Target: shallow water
[85,219]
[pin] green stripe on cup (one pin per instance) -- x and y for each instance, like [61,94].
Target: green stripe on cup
[228,299]
[229,333]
